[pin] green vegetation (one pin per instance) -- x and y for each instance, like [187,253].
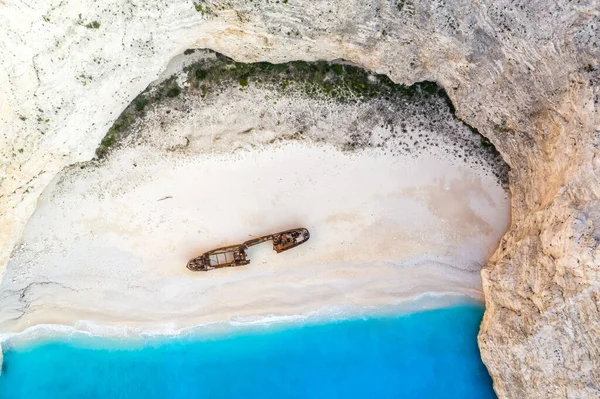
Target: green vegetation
[337,69]
[321,80]
[338,82]
[407,6]
[141,103]
[243,81]
[200,74]
[203,9]
[123,122]
[173,91]
[168,89]
[203,91]
[93,25]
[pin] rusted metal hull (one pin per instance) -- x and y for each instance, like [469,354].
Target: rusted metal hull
[235,255]
[231,256]
[289,239]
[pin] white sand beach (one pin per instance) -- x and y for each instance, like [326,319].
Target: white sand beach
[416,208]
[110,246]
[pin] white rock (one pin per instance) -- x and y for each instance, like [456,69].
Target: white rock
[525,74]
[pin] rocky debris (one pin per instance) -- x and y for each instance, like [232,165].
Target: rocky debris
[340,104]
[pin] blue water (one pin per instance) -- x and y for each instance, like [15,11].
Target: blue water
[431,354]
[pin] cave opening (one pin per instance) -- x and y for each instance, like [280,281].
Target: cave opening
[405,203]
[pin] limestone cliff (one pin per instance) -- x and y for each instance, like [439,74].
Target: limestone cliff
[524,73]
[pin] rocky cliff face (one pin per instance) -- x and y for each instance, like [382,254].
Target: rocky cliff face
[524,73]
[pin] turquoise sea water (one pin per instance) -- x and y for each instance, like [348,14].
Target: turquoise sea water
[431,354]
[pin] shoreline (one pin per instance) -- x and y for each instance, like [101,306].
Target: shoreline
[240,295]
[422,302]
[100,252]
[263,352]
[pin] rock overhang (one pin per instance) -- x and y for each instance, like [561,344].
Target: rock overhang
[530,85]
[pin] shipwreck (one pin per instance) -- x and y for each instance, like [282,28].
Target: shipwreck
[235,255]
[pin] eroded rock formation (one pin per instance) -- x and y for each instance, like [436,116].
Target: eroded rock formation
[524,73]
